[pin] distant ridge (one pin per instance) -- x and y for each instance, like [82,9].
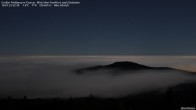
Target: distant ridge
[121,66]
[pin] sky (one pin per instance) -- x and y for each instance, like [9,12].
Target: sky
[101,27]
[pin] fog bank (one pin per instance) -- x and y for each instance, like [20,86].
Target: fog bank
[54,77]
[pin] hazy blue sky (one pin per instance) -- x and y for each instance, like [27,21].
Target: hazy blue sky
[101,27]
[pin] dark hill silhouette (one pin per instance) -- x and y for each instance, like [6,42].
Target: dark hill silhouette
[120,67]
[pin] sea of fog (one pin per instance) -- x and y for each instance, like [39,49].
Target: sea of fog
[54,76]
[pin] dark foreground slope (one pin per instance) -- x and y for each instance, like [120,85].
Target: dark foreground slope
[173,98]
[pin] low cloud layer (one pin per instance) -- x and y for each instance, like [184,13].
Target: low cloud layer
[54,77]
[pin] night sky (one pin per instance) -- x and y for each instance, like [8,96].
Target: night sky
[101,27]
